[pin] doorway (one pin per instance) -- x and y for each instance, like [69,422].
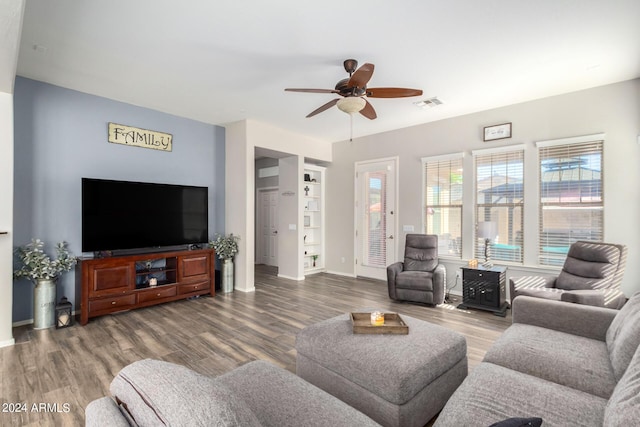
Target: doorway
[267,227]
[376,212]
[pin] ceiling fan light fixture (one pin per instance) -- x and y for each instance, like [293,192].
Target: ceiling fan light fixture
[351,104]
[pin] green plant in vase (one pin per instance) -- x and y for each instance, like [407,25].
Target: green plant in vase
[226,247]
[37,266]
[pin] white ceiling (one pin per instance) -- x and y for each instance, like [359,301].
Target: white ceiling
[228,60]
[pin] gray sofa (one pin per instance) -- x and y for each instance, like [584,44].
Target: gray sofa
[569,364]
[152,393]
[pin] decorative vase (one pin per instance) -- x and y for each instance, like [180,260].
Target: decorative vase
[227,275]
[44,304]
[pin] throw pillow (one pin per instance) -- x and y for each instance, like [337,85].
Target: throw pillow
[519,422]
[161,393]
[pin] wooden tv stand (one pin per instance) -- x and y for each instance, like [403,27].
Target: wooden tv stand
[108,285]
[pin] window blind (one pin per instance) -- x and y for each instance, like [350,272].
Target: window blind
[499,183]
[442,193]
[375,219]
[571,198]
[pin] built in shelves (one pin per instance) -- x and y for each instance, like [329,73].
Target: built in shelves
[313,211]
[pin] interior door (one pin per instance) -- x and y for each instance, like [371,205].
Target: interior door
[268,227]
[375,217]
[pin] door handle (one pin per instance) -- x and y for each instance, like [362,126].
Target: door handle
[275,232]
[390,237]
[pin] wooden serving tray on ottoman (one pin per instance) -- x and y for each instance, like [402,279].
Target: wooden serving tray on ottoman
[393,324]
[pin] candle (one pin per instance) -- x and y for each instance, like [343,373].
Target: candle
[377,318]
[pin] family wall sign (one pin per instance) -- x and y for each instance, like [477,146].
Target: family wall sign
[129,135]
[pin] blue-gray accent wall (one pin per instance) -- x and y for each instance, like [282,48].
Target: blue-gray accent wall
[61,137]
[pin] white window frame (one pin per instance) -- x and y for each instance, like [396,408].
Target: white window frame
[438,159]
[478,253]
[567,142]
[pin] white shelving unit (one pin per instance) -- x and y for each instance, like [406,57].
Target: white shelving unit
[313,214]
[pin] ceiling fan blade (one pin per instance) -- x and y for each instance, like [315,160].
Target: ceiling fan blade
[323,107]
[368,111]
[313,90]
[362,76]
[392,92]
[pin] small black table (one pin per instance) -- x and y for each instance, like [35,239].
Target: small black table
[484,289]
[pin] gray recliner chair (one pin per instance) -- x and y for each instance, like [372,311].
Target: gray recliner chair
[420,278]
[591,275]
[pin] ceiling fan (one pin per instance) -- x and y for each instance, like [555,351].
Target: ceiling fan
[354,91]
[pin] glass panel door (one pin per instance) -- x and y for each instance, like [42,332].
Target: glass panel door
[375,217]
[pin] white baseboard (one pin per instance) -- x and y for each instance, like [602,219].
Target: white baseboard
[251,289]
[7,343]
[30,321]
[22,323]
[298,279]
[341,273]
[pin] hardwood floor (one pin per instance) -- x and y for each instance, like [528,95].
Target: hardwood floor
[68,368]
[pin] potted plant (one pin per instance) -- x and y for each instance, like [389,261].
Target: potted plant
[226,248]
[38,267]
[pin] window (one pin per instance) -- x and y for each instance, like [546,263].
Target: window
[500,201]
[571,199]
[442,195]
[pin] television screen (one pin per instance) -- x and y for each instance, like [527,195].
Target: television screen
[130,215]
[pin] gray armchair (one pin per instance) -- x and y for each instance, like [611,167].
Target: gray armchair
[420,278]
[591,275]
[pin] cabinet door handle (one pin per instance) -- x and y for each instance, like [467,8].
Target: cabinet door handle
[158,295]
[113,303]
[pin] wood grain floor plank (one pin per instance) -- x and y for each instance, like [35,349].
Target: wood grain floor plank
[211,335]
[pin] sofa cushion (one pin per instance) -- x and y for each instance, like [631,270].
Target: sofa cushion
[623,409]
[623,335]
[574,361]
[280,398]
[161,393]
[418,280]
[492,393]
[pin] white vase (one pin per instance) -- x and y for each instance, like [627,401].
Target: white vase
[44,304]
[227,275]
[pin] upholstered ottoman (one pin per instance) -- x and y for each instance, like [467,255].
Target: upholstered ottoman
[397,380]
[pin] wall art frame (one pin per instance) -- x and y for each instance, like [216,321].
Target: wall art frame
[501,131]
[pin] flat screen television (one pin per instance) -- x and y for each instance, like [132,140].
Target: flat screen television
[119,215]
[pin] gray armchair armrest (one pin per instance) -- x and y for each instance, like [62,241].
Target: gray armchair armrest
[439,282]
[104,412]
[392,272]
[577,319]
[584,296]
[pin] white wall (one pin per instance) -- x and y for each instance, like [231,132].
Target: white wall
[242,139]
[6,218]
[11,13]
[612,109]
[289,214]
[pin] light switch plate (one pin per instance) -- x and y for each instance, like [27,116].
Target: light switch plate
[407,228]
[292,227]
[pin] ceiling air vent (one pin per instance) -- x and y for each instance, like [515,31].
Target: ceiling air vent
[428,103]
